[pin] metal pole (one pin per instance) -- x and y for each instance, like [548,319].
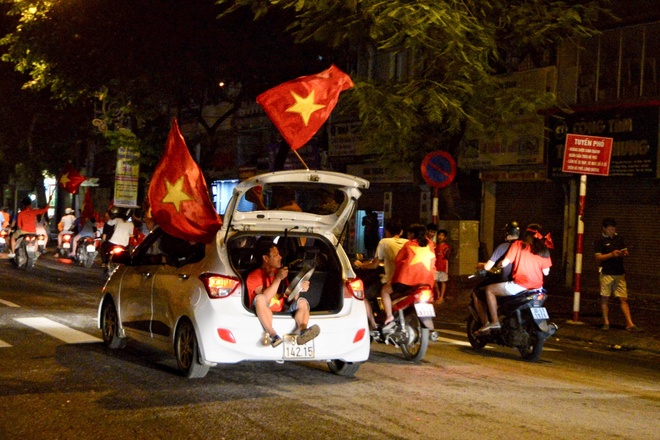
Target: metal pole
[579,249]
[435,206]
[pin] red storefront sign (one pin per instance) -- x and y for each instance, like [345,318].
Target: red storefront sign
[587,155]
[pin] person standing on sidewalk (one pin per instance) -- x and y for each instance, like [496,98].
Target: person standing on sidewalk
[610,250]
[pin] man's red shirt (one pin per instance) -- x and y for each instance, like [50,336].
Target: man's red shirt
[259,278]
[27,219]
[527,267]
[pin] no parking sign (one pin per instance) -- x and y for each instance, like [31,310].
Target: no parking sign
[438,170]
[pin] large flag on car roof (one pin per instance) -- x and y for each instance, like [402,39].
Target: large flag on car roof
[178,195]
[299,107]
[71,179]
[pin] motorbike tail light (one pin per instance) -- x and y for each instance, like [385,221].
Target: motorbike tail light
[30,238]
[66,237]
[355,287]
[425,295]
[3,233]
[219,286]
[117,250]
[538,299]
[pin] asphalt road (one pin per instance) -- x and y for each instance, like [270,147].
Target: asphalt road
[58,381]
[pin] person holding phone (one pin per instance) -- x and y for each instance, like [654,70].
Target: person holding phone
[610,250]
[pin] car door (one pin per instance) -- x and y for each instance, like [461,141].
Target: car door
[136,287]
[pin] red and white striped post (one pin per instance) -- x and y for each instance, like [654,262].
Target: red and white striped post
[579,248]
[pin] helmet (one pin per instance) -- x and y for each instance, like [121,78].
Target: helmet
[68,211]
[512,229]
[115,212]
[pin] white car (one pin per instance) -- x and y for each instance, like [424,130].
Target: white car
[191,300]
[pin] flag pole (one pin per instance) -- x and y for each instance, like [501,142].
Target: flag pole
[301,160]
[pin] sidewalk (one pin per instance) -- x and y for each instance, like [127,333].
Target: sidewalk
[645,310]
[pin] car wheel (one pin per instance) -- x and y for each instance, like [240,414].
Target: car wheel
[110,326]
[341,368]
[187,351]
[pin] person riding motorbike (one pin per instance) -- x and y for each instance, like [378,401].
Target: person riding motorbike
[414,265]
[386,253]
[531,261]
[512,231]
[65,225]
[87,229]
[26,221]
[123,231]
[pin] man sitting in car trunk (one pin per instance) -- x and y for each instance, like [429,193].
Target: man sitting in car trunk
[266,289]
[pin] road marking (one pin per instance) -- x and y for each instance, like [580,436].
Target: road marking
[467,344]
[8,303]
[4,344]
[57,330]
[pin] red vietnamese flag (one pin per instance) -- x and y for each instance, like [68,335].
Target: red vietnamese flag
[299,107]
[87,208]
[71,179]
[415,264]
[178,195]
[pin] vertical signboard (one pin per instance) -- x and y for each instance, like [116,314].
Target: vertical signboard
[126,177]
[587,155]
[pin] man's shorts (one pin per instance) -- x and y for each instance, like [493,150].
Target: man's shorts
[291,308]
[613,283]
[440,276]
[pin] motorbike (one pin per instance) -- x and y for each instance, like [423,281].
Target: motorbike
[115,253]
[413,314]
[86,251]
[64,250]
[523,318]
[5,236]
[28,249]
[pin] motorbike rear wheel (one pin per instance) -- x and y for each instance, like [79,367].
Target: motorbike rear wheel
[532,351]
[473,325]
[415,347]
[21,258]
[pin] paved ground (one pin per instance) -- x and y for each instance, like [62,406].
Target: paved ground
[645,310]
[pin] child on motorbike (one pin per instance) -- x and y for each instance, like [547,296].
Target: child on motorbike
[531,261]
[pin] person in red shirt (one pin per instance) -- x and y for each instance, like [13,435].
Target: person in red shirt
[531,261]
[264,286]
[414,264]
[26,221]
[442,251]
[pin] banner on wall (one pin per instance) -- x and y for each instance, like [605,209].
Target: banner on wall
[127,176]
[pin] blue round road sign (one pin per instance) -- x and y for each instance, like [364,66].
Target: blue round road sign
[438,169]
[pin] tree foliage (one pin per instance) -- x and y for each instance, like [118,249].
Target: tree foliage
[459,49]
[143,60]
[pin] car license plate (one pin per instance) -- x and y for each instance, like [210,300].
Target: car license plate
[539,313]
[294,351]
[91,248]
[425,310]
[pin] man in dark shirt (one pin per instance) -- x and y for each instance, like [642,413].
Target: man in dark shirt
[610,250]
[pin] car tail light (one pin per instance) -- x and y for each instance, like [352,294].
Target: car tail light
[219,286]
[226,335]
[424,295]
[355,287]
[359,335]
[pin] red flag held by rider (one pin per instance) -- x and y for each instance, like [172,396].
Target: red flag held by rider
[299,107]
[87,208]
[178,195]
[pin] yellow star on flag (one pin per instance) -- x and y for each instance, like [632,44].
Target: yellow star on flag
[304,106]
[64,179]
[175,193]
[423,255]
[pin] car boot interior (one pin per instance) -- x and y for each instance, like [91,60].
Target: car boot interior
[325,294]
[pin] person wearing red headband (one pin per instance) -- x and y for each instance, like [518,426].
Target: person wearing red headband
[531,261]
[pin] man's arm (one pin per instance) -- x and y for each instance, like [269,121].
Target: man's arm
[373,264]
